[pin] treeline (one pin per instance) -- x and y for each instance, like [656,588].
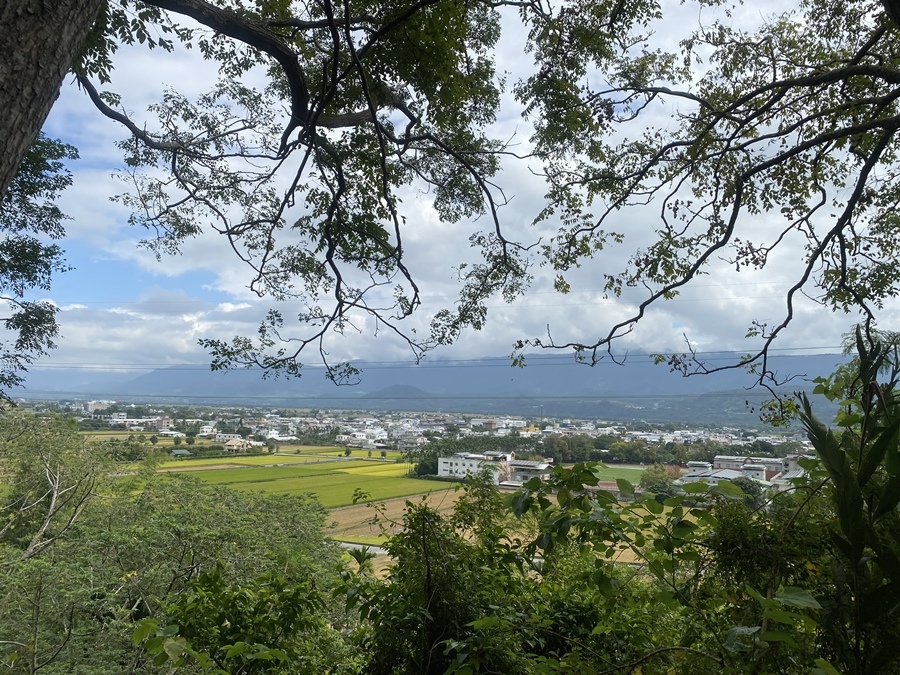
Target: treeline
[583,448]
[325,437]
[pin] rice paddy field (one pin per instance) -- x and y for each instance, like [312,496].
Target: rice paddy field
[238,461]
[336,480]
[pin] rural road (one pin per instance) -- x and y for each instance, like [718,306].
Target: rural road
[353,546]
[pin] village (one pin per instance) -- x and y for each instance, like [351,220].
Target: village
[247,430]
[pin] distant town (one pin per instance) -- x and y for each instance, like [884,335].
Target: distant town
[452,446]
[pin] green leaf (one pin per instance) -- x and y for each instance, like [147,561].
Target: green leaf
[877,451]
[652,506]
[521,502]
[605,496]
[728,489]
[825,668]
[145,628]
[169,631]
[174,648]
[764,602]
[625,486]
[797,597]
[487,622]
[789,618]
[236,649]
[778,636]
[888,499]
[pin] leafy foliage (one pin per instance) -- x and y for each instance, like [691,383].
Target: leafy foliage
[862,465]
[51,476]
[134,554]
[559,577]
[747,136]
[363,99]
[28,217]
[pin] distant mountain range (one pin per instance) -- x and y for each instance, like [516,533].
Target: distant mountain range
[552,385]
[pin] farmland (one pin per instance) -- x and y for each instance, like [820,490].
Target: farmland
[336,480]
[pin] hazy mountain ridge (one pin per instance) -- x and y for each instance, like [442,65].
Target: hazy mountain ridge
[638,389]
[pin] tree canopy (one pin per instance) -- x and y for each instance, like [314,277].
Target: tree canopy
[746,135]
[29,217]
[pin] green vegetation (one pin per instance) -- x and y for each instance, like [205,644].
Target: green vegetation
[227,570]
[87,553]
[783,134]
[335,490]
[330,485]
[258,473]
[334,481]
[29,220]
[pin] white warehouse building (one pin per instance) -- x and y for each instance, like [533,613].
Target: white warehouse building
[464,464]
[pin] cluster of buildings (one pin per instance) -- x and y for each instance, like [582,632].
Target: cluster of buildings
[775,473]
[503,467]
[505,470]
[410,431]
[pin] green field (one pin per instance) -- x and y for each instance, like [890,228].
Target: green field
[258,474]
[255,460]
[333,451]
[333,478]
[613,472]
[338,489]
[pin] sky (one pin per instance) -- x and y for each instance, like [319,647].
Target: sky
[122,308]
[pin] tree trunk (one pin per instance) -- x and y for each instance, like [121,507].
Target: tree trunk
[39,39]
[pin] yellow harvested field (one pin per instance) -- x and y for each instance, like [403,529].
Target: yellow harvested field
[353,523]
[386,469]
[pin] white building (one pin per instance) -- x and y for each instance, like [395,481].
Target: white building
[464,464]
[521,470]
